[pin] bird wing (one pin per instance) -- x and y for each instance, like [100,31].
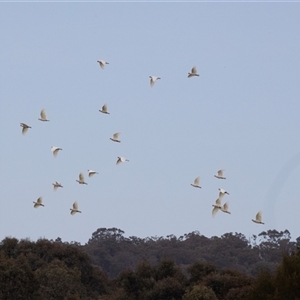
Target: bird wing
[259,216]
[220,172]
[226,206]
[75,205]
[214,211]
[116,135]
[197,181]
[102,64]
[43,114]
[81,177]
[104,108]
[40,200]
[24,130]
[152,81]
[194,70]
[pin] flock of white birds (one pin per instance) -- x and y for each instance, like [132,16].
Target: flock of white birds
[115,138]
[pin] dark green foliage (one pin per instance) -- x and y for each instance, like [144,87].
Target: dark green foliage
[198,271]
[200,292]
[47,270]
[16,277]
[189,267]
[283,284]
[287,277]
[113,252]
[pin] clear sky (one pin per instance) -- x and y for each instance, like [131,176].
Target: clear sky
[241,114]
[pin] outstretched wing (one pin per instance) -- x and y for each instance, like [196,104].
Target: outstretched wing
[259,216]
[43,114]
[197,181]
[81,177]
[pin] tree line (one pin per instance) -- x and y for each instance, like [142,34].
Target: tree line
[110,266]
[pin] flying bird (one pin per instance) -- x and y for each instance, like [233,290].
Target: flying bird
[43,116]
[193,72]
[55,150]
[56,185]
[92,173]
[225,208]
[121,159]
[81,179]
[104,109]
[258,218]
[25,128]
[196,183]
[38,203]
[222,191]
[220,174]
[217,206]
[75,210]
[153,80]
[115,137]
[102,63]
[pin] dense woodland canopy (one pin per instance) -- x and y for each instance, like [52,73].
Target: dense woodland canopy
[111,266]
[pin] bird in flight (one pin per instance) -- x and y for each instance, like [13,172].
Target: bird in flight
[220,174]
[217,206]
[92,173]
[258,218]
[75,210]
[121,159]
[104,109]
[102,63]
[223,192]
[193,72]
[153,80]
[56,185]
[55,150]
[25,128]
[38,203]
[81,179]
[225,208]
[115,137]
[43,116]
[196,183]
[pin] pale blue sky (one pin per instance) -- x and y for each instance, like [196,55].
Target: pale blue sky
[241,115]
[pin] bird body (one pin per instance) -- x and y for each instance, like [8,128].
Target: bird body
[43,116]
[220,174]
[38,203]
[121,159]
[115,137]
[104,109]
[92,173]
[153,80]
[102,63]
[193,72]
[75,210]
[196,183]
[258,218]
[81,179]
[56,185]
[55,150]
[25,128]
